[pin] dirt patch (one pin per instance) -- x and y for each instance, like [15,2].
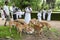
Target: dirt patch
[45,35]
[6,39]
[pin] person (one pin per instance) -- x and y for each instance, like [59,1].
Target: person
[44,14]
[15,14]
[28,11]
[2,13]
[49,14]
[39,15]
[11,11]
[19,13]
[6,12]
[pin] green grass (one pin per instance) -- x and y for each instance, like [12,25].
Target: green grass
[55,31]
[5,33]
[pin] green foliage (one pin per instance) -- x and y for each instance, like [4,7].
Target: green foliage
[35,4]
[1,2]
[24,3]
[51,3]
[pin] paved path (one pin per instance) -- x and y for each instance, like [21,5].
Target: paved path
[55,24]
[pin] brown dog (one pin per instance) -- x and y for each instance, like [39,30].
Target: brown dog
[38,26]
[22,26]
[11,23]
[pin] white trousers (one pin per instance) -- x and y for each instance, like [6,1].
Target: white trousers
[27,18]
[3,16]
[39,17]
[44,14]
[12,14]
[17,16]
[49,17]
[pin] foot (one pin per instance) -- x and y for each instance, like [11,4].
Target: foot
[2,19]
[4,25]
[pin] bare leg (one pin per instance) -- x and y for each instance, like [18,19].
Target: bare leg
[5,23]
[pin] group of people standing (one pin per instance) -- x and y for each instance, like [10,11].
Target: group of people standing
[15,12]
[44,12]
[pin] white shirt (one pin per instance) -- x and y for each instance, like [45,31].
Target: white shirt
[11,8]
[27,10]
[44,11]
[20,12]
[39,13]
[49,11]
[6,9]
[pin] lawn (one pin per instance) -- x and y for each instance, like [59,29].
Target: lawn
[52,33]
[5,33]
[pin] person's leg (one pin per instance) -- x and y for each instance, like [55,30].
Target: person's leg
[7,19]
[44,16]
[39,18]
[27,18]
[49,17]
[12,14]
[17,16]
[3,17]
[14,17]
[5,23]
[20,16]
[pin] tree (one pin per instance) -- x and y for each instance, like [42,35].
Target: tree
[51,3]
[35,4]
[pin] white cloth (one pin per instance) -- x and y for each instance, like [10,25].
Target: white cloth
[27,15]
[44,14]
[6,9]
[49,15]
[11,10]
[27,18]
[19,13]
[27,10]
[39,16]
[2,14]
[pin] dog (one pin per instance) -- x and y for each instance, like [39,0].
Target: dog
[38,26]
[12,24]
[23,27]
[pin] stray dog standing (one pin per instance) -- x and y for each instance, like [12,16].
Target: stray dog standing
[38,26]
[23,27]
